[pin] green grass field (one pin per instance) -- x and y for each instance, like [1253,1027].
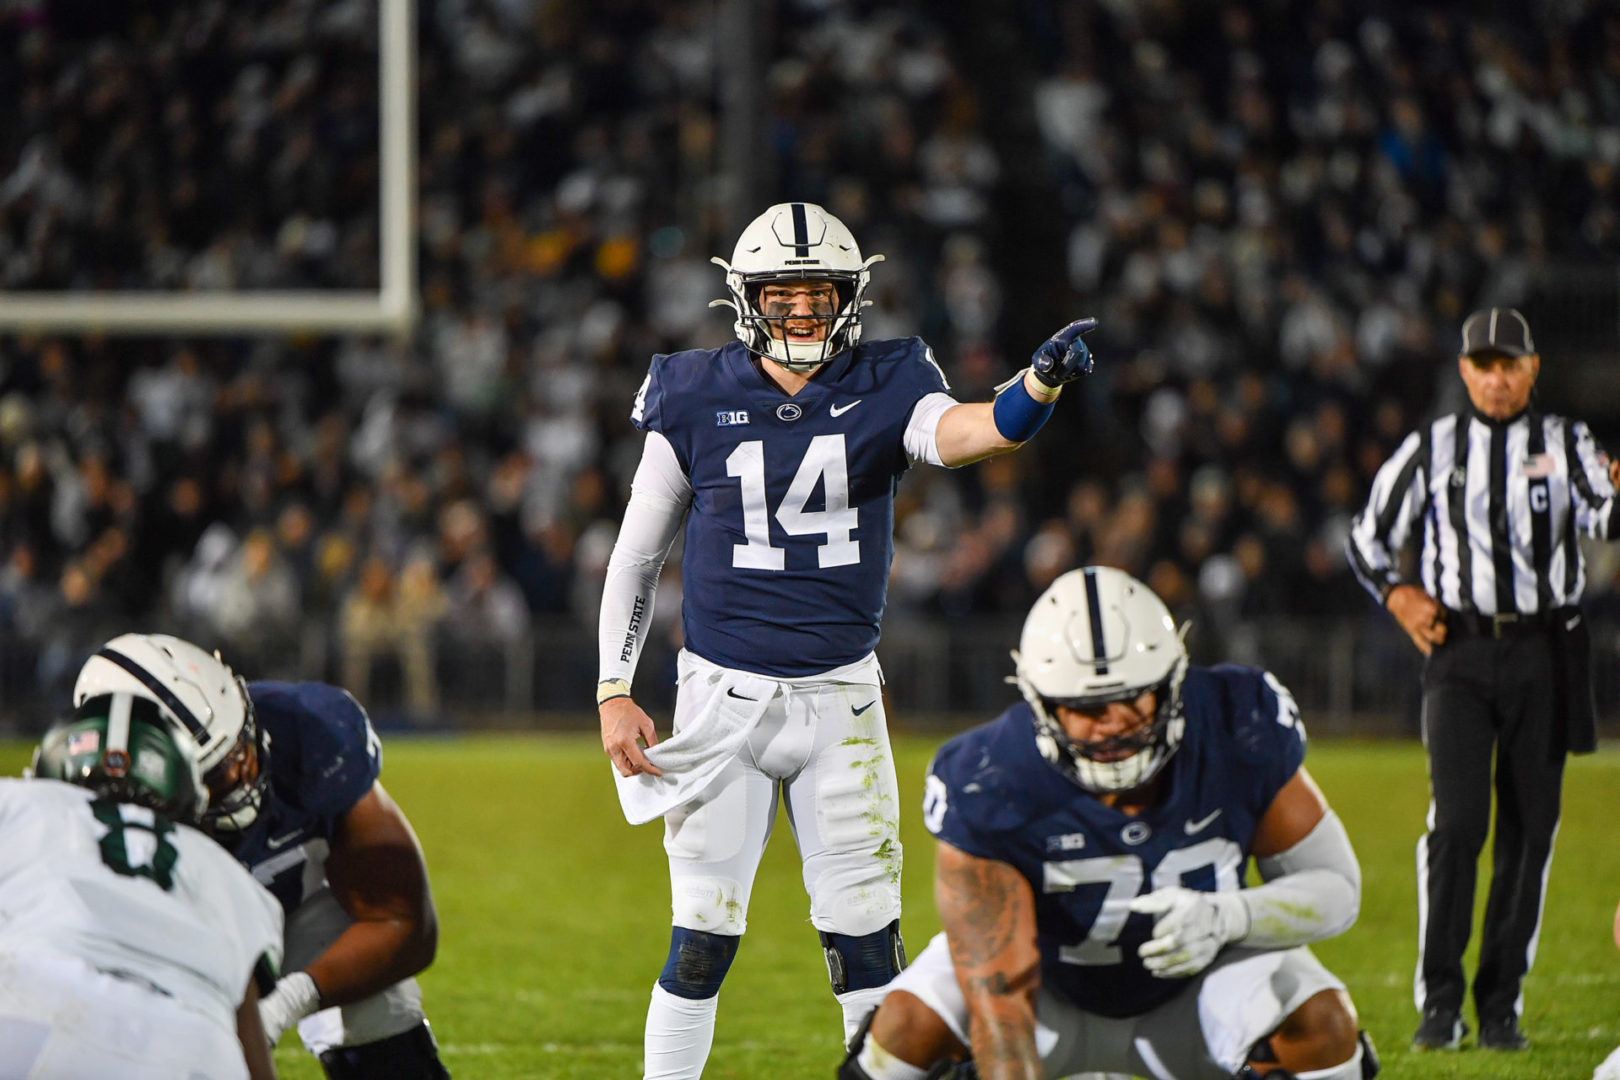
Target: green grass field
[554,917]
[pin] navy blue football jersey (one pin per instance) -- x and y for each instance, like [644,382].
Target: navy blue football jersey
[323,759]
[991,794]
[791,530]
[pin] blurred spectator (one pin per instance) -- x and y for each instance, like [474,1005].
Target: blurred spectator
[389,618]
[482,605]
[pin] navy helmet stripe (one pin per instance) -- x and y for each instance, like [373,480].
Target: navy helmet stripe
[801,231]
[1099,648]
[198,729]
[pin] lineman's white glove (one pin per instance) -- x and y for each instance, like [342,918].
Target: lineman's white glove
[295,997]
[1190,930]
[1610,1069]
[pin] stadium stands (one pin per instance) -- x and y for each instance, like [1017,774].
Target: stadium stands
[1279,233]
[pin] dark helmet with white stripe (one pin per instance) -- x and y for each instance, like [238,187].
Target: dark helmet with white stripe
[128,749]
[796,242]
[202,696]
[1096,636]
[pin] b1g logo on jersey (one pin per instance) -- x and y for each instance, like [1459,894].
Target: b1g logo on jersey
[730,417]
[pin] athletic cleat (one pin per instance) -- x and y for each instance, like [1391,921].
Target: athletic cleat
[1502,1034]
[1441,1029]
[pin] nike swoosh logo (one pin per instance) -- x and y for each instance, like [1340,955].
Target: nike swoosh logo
[840,410]
[863,708]
[732,692]
[1201,823]
[283,840]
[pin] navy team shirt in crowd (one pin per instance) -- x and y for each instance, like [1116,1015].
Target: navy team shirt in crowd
[323,759]
[791,529]
[990,793]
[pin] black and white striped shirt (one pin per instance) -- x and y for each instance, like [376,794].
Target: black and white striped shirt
[1500,504]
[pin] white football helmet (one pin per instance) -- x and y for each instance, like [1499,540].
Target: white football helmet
[796,242]
[1097,635]
[204,697]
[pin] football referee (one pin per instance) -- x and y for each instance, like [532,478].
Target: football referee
[1493,498]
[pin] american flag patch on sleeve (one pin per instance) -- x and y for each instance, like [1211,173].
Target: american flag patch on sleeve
[1538,466]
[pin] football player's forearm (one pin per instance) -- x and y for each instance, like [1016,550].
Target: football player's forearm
[631,585]
[975,431]
[1001,1029]
[967,433]
[250,1034]
[1312,891]
[628,596]
[369,957]
[988,913]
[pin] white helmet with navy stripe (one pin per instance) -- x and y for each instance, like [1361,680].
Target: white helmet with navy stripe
[1097,635]
[796,242]
[201,695]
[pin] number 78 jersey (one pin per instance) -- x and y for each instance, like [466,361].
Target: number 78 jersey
[791,530]
[990,793]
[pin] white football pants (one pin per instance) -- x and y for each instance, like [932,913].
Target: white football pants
[1243,995]
[825,747]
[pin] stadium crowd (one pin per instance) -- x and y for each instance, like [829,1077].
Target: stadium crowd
[1279,234]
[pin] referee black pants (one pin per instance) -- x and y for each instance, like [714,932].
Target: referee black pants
[1483,697]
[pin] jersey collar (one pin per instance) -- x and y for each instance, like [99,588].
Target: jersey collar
[1493,423]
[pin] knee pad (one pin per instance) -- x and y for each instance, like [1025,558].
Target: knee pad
[865,962]
[410,1055]
[697,963]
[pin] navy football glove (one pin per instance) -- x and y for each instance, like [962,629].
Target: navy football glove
[1063,357]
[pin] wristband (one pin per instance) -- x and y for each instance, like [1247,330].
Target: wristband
[295,997]
[1018,415]
[608,689]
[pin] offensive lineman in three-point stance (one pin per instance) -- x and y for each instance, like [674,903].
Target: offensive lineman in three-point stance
[293,794]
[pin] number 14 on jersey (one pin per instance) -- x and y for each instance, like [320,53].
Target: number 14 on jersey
[825,460]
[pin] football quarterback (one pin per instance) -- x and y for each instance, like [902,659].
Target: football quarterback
[1092,843]
[291,770]
[132,944]
[781,452]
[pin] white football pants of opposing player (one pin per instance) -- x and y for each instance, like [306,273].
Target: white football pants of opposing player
[823,745]
[61,1019]
[1243,996]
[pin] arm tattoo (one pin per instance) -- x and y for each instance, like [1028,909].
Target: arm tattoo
[988,912]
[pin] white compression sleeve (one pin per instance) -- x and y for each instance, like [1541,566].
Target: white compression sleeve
[659,497]
[921,437]
[1312,891]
